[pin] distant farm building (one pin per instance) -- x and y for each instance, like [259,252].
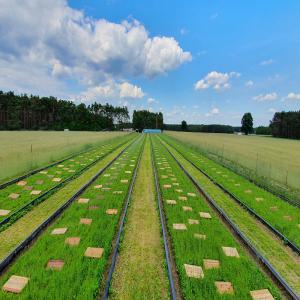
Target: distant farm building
[151,131]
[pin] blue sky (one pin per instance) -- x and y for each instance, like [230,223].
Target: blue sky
[202,61]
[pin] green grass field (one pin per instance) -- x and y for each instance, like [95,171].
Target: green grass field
[196,234]
[21,151]
[277,160]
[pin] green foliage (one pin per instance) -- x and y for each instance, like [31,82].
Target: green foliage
[263,130]
[184,126]
[247,123]
[142,119]
[213,128]
[286,124]
[48,113]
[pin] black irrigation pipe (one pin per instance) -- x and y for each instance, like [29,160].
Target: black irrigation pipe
[164,231]
[295,203]
[117,243]
[288,242]
[292,294]
[17,214]
[25,243]
[12,181]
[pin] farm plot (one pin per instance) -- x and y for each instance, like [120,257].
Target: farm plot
[282,259]
[19,197]
[69,258]
[210,262]
[281,215]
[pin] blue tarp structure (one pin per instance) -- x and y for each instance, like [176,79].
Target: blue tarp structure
[151,131]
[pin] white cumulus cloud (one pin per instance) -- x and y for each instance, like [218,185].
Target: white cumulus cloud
[216,80]
[51,38]
[293,97]
[249,83]
[266,97]
[267,62]
[214,111]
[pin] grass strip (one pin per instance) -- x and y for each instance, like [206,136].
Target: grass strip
[18,231]
[140,272]
[79,278]
[280,214]
[191,248]
[19,198]
[285,261]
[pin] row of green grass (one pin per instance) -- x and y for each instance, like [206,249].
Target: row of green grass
[242,272]
[281,257]
[278,213]
[80,276]
[51,178]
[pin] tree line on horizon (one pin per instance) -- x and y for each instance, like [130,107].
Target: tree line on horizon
[19,112]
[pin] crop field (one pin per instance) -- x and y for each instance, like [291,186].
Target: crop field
[22,151]
[16,199]
[280,214]
[141,216]
[199,238]
[271,161]
[89,223]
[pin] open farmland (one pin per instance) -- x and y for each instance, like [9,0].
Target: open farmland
[106,233]
[259,157]
[22,151]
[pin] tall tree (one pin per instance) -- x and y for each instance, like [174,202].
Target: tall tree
[184,126]
[247,123]
[145,119]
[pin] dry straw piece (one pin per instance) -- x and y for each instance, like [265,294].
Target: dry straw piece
[261,295]
[230,251]
[172,202]
[111,211]
[55,264]
[56,179]
[35,192]
[39,182]
[179,190]
[15,284]
[193,222]
[72,241]
[259,199]
[99,186]
[124,180]
[22,183]
[58,231]
[167,186]
[94,252]
[93,207]
[85,221]
[193,271]
[248,191]
[224,287]
[187,208]
[200,236]
[191,194]
[83,200]
[211,264]
[28,188]
[179,226]
[4,212]
[118,192]
[182,198]
[43,172]
[205,215]
[14,196]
